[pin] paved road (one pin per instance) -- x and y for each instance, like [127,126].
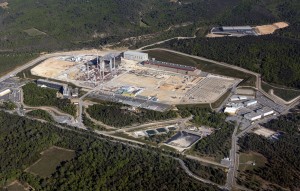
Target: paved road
[187,170]
[205,161]
[230,183]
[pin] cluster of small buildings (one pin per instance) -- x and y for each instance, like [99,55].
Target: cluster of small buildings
[67,91]
[239,102]
[258,114]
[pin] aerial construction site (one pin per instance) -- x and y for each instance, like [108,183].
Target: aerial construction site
[132,78]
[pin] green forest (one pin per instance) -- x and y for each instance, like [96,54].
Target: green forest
[98,164]
[277,59]
[38,96]
[283,166]
[118,115]
[41,114]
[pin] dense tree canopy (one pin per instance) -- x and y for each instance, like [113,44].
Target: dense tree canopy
[98,164]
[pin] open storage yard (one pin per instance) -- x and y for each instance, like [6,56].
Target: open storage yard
[182,140]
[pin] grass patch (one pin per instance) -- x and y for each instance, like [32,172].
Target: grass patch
[34,32]
[284,93]
[16,186]
[249,80]
[50,160]
[247,159]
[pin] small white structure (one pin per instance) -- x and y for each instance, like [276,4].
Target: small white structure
[249,103]
[134,55]
[5,92]
[238,98]
[243,97]
[252,116]
[265,111]
[231,110]
[234,98]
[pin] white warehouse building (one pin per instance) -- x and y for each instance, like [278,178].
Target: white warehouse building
[249,103]
[4,92]
[231,110]
[134,55]
[265,111]
[252,116]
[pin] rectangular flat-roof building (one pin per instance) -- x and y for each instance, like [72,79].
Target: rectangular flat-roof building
[265,111]
[5,92]
[134,55]
[50,84]
[231,110]
[252,116]
[250,103]
[167,66]
[233,30]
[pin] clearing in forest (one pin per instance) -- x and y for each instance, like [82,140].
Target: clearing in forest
[51,158]
[269,29]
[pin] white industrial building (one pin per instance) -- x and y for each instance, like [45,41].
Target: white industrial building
[238,98]
[231,110]
[265,111]
[250,103]
[134,55]
[5,92]
[252,116]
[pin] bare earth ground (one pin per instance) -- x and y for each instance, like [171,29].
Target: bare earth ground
[269,29]
[52,67]
[264,132]
[245,91]
[168,87]
[18,186]
[4,5]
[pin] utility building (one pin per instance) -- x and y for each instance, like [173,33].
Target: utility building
[182,69]
[252,116]
[50,84]
[250,103]
[234,30]
[134,55]
[5,92]
[265,111]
